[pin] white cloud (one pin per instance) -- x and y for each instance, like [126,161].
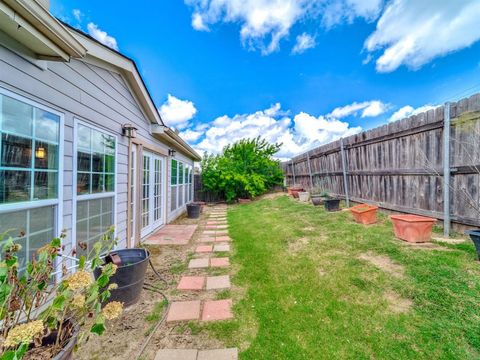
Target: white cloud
[304,42]
[102,36]
[191,135]
[297,135]
[408,110]
[408,32]
[264,23]
[368,109]
[414,32]
[77,14]
[177,113]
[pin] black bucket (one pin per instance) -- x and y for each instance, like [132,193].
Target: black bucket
[193,211]
[475,236]
[332,204]
[129,276]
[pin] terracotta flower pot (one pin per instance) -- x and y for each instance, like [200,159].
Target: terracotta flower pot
[318,200]
[244,201]
[294,191]
[303,196]
[413,228]
[364,214]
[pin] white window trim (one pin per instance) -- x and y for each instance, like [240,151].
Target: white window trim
[58,202]
[75,197]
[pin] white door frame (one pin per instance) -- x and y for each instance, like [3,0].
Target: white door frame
[152,223]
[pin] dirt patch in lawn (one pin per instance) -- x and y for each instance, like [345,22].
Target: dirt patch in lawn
[294,247]
[384,263]
[425,246]
[396,303]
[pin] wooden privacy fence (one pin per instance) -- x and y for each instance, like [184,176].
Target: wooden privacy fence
[202,195]
[427,164]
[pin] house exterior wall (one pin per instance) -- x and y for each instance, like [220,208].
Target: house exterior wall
[84,91]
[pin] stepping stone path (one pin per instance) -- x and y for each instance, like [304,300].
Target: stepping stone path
[214,239]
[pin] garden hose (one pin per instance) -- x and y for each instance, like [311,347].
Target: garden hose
[154,330]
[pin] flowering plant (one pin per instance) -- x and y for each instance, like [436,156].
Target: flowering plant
[39,315]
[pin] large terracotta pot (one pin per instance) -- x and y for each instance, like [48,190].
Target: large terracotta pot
[294,192]
[413,228]
[364,214]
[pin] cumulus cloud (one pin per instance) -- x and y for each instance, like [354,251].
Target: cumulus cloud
[408,110]
[304,42]
[264,23]
[177,113]
[102,36]
[408,32]
[198,24]
[297,133]
[366,108]
[414,32]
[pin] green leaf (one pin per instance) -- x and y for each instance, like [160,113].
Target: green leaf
[81,262]
[98,328]
[58,303]
[102,280]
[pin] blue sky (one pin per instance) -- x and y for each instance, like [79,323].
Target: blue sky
[294,71]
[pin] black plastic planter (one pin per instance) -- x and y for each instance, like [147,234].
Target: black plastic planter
[130,275]
[475,236]
[193,211]
[332,204]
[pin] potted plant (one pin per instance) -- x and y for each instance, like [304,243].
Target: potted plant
[475,236]
[202,205]
[331,204]
[294,190]
[304,196]
[364,214]
[319,196]
[44,319]
[413,228]
[193,210]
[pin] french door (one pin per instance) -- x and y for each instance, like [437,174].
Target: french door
[152,189]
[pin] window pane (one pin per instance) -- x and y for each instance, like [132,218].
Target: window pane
[83,183]
[180,173]
[46,125]
[15,223]
[45,185]
[97,162]
[82,210]
[173,177]
[83,137]
[94,207]
[41,219]
[14,186]
[46,155]
[17,116]
[109,183]
[37,241]
[109,145]
[83,161]
[97,183]
[98,141]
[16,151]
[109,164]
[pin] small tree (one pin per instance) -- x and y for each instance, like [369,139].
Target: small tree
[245,169]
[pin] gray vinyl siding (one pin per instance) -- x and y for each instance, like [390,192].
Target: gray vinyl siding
[91,94]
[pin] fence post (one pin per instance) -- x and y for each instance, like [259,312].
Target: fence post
[309,170]
[344,166]
[293,173]
[446,170]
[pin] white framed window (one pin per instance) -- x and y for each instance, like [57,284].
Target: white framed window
[180,184]
[30,169]
[95,181]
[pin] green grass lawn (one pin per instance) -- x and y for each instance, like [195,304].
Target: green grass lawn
[306,289]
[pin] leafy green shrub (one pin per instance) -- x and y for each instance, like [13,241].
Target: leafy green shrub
[245,169]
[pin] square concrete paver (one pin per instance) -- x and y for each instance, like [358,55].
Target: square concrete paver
[220,262]
[221,248]
[184,310]
[198,263]
[204,249]
[172,235]
[223,238]
[177,354]
[218,282]
[191,283]
[217,310]
[220,354]
[209,232]
[206,239]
